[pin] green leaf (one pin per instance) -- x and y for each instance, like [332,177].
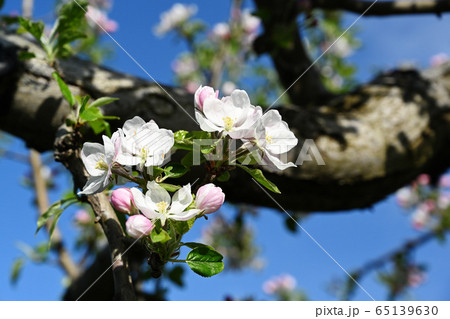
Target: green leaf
[182,227]
[2,3]
[193,245]
[176,275]
[26,55]
[175,170]
[54,210]
[103,101]
[224,177]
[258,175]
[185,140]
[91,114]
[36,29]
[205,261]
[64,89]
[53,225]
[159,235]
[169,187]
[16,269]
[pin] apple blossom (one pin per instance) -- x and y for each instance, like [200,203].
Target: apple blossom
[272,138]
[421,216]
[99,19]
[144,144]
[184,66]
[122,200]
[439,59]
[407,197]
[250,23]
[283,283]
[82,217]
[209,198]
[157,204]
[443,201]
[444,181]
[202,93]
[174,17]
[423,179]
[138,226]
[98,160]
[228,87]
[221,31]
[232,115]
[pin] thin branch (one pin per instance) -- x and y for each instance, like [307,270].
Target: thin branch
[27,8]
[64,258]
[288,53]
[410,245]
[385,8]
[67,151]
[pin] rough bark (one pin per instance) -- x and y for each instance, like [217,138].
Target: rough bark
[373,140]
[385,8]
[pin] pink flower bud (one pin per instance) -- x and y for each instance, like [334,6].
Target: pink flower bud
[82,217]
[138,226]
[209,198]
[122,200]
[423,179]
[202,93]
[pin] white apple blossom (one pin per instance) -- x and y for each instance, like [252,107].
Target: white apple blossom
[249,22]
[144,144]
[273,139]
[221,31]
[232,115]
[157,204]
[174,17]
[407,197]
[98,160]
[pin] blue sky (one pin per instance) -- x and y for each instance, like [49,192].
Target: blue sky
[352,238]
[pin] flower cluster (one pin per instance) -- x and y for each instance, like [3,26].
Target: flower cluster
[173,18]
[429,204]
[266,135]
[140,152]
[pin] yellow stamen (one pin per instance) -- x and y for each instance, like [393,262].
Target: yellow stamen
[228,122]
[101,165]
[269,139]
[162,207]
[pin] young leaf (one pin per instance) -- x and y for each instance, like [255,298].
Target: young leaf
[169,187]
[159,236]
[55,209]
[64,89]
[182,227]
[103,101]
[36,29]
[224,177]
[16,269]
[26,55]
[176,275]
[258,175]
[205,261]
[175,170]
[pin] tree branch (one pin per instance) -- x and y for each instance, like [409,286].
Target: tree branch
[373,140]
[64,258]
[385,8]
[282,41]
[67,151]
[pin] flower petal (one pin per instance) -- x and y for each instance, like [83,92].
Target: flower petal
[132,126]
[141,204]
[186,215]
[181,200]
